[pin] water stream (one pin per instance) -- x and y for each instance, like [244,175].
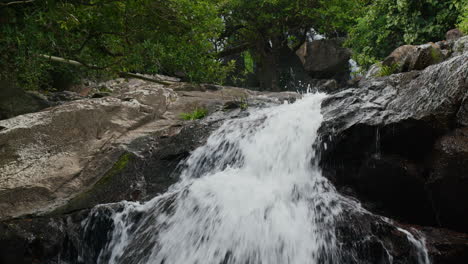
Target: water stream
[253,194]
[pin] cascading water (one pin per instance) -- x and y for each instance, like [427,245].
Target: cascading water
[253,194]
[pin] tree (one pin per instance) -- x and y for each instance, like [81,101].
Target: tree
[109,36]
[272,29]
[388,24]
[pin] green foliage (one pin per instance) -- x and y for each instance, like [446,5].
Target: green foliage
[463,19]
[388,24]
[243,106]
[248,62]
[198,113]
[386,70]
[243,102]
[144,36]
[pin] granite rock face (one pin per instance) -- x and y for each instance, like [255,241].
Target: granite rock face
[98,150]
[397,141]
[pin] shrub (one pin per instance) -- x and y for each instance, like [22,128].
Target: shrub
[463,19]
[386,70]
[198,113]
[389,24]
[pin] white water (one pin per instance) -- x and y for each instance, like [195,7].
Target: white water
[253,194]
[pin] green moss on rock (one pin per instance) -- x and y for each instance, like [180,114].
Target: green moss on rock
[118,166]
[88,198]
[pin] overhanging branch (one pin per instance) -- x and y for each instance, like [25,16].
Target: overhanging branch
[234,50]
[121,74]
[16,2]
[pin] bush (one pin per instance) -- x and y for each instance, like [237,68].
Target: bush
[198,113]
[386,70]
[141,36]
[463,20]
[389,24]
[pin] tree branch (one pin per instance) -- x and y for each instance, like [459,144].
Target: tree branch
[234,50]
[121,74]
[16,2]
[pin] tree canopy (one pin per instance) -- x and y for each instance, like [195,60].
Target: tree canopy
[109,36]
[190,38]
[388,24]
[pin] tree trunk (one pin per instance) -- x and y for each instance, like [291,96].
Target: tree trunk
[268,75]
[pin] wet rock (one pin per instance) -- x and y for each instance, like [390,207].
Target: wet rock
[325,59]
[448,180]
[379,139]
[99,150]
[462,115]
[446,246]
[325,85]
[362,237]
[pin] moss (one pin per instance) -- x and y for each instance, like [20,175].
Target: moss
[85,199]
[118,166]
[436,55]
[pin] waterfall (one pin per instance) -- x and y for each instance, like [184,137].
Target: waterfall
[253,194]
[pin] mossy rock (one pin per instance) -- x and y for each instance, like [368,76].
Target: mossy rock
[102,189]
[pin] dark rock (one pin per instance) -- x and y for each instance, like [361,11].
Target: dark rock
[325,59]
[14,101]
[397,184]
[100,94]
[80,237]
[448,181]
[446,246]
[379,138]
[462,115]
[64,96]
[453,34]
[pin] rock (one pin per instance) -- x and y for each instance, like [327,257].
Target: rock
[362,237]
[460,46]
[445,246]
[324,85]
[403,57]
[408,57]
[64,96]
[325,59]
[462,115]
[453,34]
[379,139]
[427,54]
[448,180]
[82,153]
[374,70]
[14,101]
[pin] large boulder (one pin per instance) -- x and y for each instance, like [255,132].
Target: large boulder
[453,34]
[447,184]
[391,140]
[14,101]
[82,153]
[460,46]
[325,59]
[408,57]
